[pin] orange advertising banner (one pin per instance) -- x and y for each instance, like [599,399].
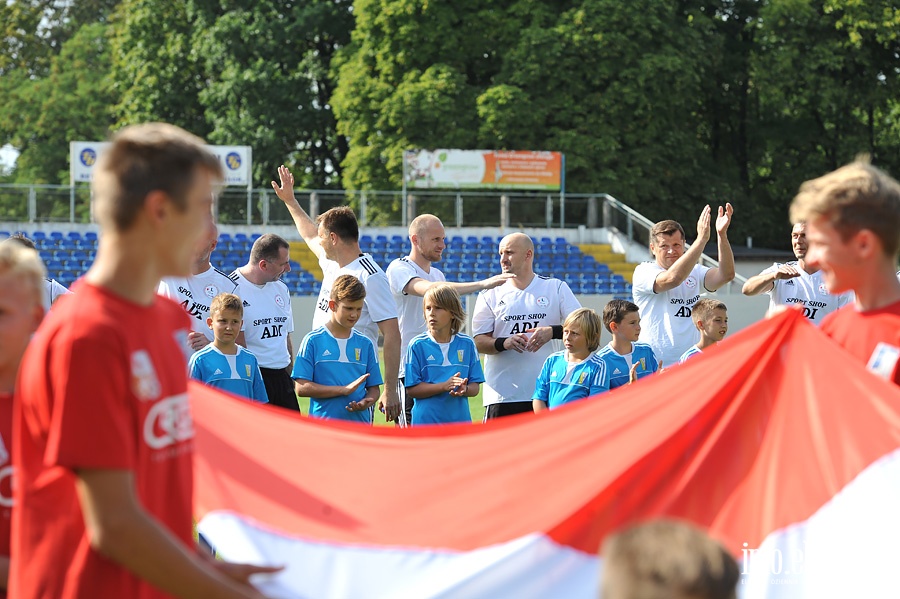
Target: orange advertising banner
[483,169]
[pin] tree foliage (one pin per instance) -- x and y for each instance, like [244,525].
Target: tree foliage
[666,104]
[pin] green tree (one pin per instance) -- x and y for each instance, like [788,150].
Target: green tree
[40,116]
[156,72]
[269,83]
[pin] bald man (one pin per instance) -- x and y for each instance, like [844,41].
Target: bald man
[411,276]
[514,325]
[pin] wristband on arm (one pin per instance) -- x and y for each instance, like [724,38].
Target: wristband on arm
[498,344]
[557,331]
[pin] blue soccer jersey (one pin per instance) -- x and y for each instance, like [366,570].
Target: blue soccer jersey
[326,360]
[619,366]
[428,361]
[238,373]
[561,382]
[690,354]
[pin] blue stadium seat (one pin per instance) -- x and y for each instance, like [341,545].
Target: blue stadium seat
[56,235]
[37,235]
[74,235]
[240,237]
[91,236]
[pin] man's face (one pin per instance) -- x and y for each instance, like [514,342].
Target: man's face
[20,314]
[513,257]
[430,243]
[188,230]
[798,241]
[829,253]
[667,248]
[278,266]
[327,243]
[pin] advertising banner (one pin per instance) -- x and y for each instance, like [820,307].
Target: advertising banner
[236,161]
[483,169]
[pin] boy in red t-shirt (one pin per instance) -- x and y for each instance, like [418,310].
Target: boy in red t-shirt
[853,231]
[102,424]
[21,309]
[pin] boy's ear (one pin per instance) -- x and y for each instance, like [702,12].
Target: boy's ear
[332,305]
[209,321]
[613,327]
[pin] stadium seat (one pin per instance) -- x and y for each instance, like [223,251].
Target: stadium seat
[56,235]
[90,235]
[74,235]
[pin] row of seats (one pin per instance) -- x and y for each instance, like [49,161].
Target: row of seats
[68,255]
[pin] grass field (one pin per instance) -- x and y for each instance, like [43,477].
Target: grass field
[475,406]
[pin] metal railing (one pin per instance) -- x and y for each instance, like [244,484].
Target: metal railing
[260,207]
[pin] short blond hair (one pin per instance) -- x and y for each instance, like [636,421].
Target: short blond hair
[589,323]
[226,301]
[142,159]
[25,263]
[704,308]
[854,197]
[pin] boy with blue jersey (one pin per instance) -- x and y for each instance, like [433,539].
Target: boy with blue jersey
[223,363]
[626,358]
[442,367]
[335,360]
[576,372]
[711,319]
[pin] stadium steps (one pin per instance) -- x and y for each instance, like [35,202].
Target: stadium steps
[603,252]
[301,254]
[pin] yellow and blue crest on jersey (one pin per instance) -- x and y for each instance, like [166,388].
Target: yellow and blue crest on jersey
[460,354]
[247,366]
[581,378]
[357,352]
[643,363]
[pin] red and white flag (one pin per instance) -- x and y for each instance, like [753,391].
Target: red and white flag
[775,441]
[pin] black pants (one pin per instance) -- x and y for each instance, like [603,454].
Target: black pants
[406,402]
[280,388]
[499,410]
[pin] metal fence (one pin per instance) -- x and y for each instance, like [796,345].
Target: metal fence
[64,204]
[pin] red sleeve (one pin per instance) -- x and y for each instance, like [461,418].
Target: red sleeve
[91,423]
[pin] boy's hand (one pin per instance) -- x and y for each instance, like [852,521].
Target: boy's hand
[456,385]
[285,191]
[348,389]
[660,369]
[359,406]
[632,374]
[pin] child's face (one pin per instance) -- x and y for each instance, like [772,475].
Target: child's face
[835,257]
[630,327]
[226,324]
[574,340]
[436,318]
[716,327]
[346,313]
[20,314]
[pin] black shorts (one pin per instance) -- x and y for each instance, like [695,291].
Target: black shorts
[406,404]
[280,388]
[499,410]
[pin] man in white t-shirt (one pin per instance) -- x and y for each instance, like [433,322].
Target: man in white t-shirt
[411,276]
[195,293]
[797,283]
[268,319]
[513,326]
[665,290]
[334,238]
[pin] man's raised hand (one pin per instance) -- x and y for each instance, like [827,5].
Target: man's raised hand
[284,190]
[724,218]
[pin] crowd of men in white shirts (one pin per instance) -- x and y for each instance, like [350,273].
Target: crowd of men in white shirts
[518,314]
